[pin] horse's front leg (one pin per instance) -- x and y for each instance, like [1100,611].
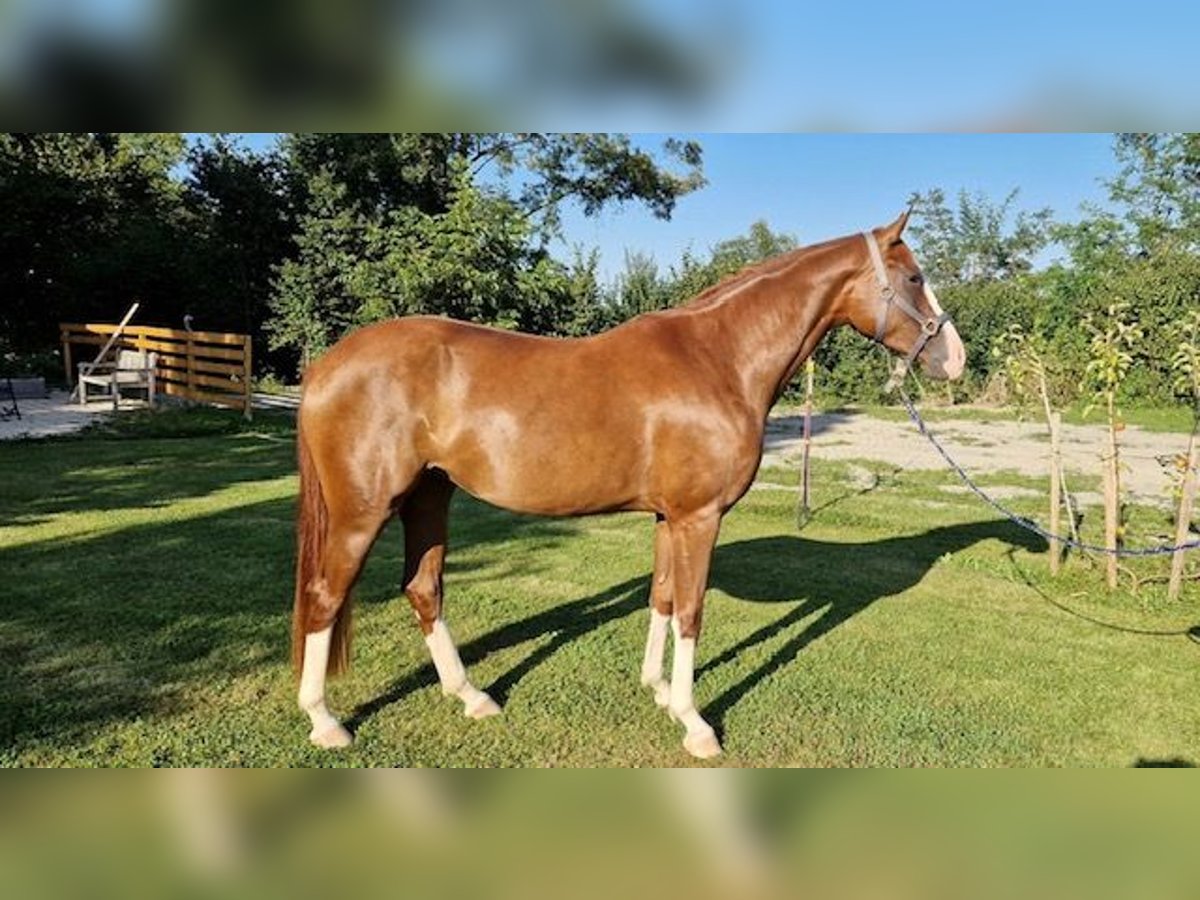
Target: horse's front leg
[692,541]
[661,604]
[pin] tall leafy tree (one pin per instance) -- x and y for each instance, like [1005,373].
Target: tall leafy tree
[536,171]
[312,303]
[979,239]
[694,275]
[451,223]
[1159,189]
[640,288]
[91,222]
[587,308]
[244,211]
[242,205]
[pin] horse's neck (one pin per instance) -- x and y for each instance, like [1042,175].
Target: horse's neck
[771,324]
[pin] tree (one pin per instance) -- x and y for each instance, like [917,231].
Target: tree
[694,276]
[454,224]
[312,303]
[242,206]
[537,172]
[979,255]
[640,288]
[1159,188]
[1114,339]
[975,242]
[592,170]
[474,262]
[587,309]
[91,222]
[1185,363]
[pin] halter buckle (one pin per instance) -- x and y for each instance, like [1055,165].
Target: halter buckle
[930,327]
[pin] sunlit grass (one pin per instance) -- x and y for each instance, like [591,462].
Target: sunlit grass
[147,589]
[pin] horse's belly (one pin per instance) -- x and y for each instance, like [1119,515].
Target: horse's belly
[534,476]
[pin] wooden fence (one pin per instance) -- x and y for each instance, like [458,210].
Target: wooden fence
[205,366]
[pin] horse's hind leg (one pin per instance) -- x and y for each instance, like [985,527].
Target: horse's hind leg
[661,605]
[426,513]
[347,542]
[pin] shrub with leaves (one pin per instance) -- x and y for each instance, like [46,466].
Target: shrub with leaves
[1185,361]
[1022,361]
[1185,365]
[1113,344]
[1026,362]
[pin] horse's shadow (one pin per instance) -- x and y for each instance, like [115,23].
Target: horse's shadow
[830,580]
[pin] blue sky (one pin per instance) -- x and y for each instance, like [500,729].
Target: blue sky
[819,186]
[816,186]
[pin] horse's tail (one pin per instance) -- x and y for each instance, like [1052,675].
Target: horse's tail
[312,525]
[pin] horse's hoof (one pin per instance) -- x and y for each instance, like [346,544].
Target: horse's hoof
[703,745]
[482,708]
[334,737]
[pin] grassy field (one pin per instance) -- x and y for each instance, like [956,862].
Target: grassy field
[147,589]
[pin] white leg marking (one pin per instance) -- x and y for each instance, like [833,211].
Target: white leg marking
[700,741]
[453,676]
[652,662]
[326,731]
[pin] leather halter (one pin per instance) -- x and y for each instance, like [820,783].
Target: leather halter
[930,325]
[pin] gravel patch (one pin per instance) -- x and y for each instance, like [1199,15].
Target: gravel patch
[980,448]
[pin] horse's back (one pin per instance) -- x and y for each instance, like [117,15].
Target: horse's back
[537,424]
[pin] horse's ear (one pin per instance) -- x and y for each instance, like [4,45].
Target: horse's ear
[893,231]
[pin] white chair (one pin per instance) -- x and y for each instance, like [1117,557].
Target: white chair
[131,369]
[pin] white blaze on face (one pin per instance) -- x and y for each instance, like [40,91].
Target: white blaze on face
[946,354]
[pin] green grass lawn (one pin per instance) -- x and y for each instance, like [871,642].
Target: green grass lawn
[147,589]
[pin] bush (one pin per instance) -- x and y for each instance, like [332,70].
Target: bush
[850,368]
[46,363]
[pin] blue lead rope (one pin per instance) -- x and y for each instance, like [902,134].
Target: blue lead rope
[1022,521]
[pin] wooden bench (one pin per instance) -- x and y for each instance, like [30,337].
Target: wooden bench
[131,369]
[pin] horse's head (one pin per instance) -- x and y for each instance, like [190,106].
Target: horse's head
[890,302]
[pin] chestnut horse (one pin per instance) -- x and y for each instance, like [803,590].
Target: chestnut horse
[663,414]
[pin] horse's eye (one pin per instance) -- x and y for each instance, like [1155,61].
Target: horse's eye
[915,279]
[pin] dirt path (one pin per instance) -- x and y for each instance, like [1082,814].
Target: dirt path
[980,447]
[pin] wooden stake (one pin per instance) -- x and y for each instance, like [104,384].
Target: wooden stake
[1055,491]
[1110,519]
[1184,520]
[808,406]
